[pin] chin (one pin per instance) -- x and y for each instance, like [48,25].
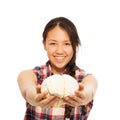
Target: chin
[60,66]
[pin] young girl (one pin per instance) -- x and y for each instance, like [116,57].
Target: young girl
[60,40]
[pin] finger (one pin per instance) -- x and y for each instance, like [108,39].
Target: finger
[52,101]
[48,101]
[38,88]
[81,86]
[80,94]
[70,104]
[41,96]
[71,101]
[75,98]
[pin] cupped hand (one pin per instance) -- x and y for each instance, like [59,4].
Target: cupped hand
[78,98]
[43,99]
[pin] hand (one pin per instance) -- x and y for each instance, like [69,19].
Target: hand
[45,102]
[79,98]
[42,99]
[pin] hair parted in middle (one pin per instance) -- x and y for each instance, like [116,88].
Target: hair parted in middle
[70,28]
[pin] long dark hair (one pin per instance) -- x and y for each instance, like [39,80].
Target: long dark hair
[70,28]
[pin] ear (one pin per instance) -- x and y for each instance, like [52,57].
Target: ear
[44,44]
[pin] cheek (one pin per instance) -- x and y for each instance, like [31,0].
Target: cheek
[70,52]
[50,51]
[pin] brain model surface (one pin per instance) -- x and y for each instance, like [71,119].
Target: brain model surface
[60,85]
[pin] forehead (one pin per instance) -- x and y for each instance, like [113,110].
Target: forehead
[58,33]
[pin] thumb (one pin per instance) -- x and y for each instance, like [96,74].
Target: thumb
[81,86]
[38,88]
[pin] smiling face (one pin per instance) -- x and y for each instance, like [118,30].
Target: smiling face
[59,49]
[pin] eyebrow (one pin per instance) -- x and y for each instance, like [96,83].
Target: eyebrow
[56,40]
[52,40]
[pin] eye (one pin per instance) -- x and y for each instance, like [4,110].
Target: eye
[67,44]
[52,43]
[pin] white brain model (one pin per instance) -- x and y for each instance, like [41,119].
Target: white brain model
[60,85]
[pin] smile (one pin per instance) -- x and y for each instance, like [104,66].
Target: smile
[59,58]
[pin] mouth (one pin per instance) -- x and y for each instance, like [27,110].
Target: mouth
[59,58]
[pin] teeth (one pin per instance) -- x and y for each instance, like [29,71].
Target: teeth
[59,58]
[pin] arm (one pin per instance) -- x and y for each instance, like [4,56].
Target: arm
[85,94]
[30,91]
[90,84]
[27,83]
[26,80]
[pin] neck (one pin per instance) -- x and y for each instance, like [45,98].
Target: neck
[57,71]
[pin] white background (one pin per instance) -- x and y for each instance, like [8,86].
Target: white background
[98,24]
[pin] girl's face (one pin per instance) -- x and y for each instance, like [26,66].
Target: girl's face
[59,49]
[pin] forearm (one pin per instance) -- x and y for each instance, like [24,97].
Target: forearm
[30,95]
[90,87]
[27,83]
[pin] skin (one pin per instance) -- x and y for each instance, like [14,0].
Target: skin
[60,52]
[59,49]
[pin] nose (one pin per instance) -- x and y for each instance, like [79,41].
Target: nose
[59,49]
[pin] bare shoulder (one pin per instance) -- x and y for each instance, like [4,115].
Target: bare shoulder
[90,79]
[26,72]
[27,75]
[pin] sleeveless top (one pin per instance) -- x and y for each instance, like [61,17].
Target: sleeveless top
[38,113]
